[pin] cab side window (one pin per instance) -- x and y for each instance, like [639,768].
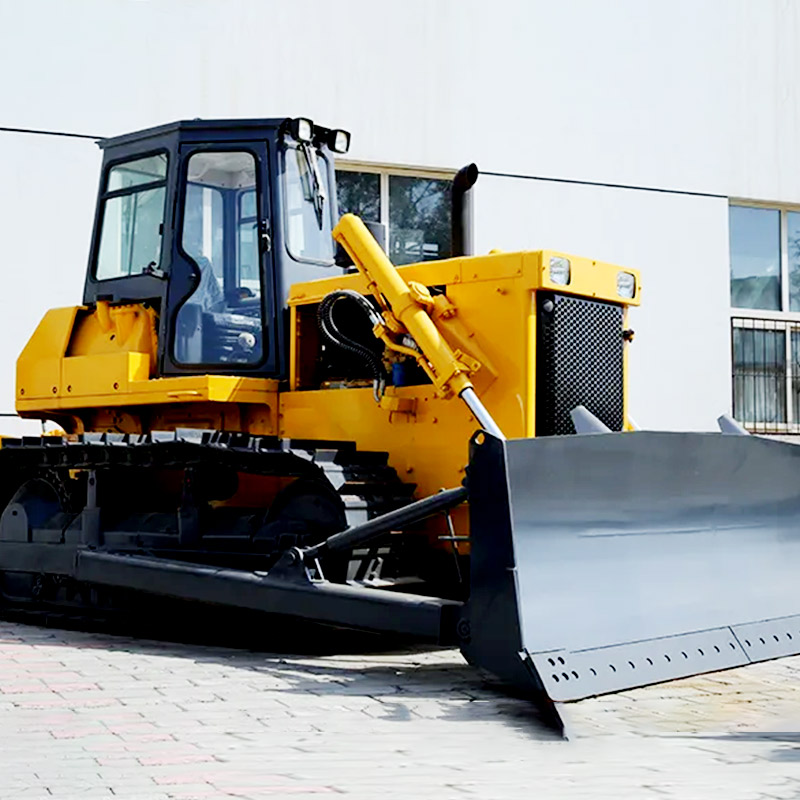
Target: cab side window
[132,218]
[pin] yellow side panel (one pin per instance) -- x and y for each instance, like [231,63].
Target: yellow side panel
[111,374]
[492,267]
[88,382]
[39,364]
[40,383]
[215,388]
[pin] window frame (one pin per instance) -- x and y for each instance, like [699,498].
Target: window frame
[760,313]
[783,320]
[106,195]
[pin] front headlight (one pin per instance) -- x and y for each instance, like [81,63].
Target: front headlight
[626,284]
[559,270]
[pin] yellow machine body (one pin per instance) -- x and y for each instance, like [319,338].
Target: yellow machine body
[91,370]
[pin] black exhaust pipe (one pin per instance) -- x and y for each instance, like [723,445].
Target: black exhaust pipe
[462,213]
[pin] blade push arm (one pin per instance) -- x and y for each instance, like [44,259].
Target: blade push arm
[406,306]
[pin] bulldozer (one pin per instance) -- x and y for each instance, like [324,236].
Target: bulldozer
[257,410]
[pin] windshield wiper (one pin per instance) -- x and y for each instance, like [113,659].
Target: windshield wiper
[318,187]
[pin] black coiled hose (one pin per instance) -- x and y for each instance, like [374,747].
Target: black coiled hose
[331,332]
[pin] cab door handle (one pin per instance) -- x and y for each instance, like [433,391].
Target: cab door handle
[265,240]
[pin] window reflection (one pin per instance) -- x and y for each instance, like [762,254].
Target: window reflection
[130,242]
[419,219]
[133,215]
[755,235]
[359,193]
[793,257]
[137,172]
[308,231]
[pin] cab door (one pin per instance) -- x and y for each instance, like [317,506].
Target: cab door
[221,313]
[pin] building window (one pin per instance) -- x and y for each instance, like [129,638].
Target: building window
[755,239]
[359,193]
[765,326]
[414,207]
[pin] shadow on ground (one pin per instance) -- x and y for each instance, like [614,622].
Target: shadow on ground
[789,753]
[294,651]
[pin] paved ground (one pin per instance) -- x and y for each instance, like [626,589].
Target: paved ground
[93,715]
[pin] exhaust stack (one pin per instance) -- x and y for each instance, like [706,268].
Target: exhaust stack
[462,210]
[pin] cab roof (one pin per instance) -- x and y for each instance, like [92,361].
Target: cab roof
[194,126]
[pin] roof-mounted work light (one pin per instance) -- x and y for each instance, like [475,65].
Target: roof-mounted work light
[339,141]
[302,129]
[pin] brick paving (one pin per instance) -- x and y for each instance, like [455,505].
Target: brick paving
[93,715]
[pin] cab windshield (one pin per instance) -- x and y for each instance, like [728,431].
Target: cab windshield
[309,212]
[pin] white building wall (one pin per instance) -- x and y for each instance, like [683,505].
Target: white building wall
[48,187]
[697,95]
[679,362]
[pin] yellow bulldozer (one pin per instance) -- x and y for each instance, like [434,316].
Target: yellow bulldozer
[260,412]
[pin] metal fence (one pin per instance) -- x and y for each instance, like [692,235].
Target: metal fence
[766,374]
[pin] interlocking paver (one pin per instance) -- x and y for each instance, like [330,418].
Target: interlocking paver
[93,715]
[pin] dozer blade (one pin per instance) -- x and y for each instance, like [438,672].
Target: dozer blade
[607,561]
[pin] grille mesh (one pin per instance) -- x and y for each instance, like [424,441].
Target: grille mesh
[579,362]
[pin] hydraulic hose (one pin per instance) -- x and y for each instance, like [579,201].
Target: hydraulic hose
[334,335]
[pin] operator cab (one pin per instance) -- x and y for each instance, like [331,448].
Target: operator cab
[210,223]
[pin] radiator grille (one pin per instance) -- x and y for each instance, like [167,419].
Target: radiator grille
[579,351]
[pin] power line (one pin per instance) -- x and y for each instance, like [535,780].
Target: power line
[546,179]
[602,184]
[50,133]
